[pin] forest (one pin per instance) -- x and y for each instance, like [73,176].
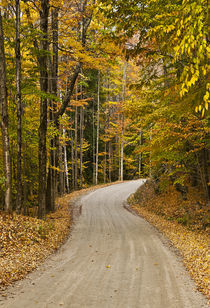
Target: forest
[100,91]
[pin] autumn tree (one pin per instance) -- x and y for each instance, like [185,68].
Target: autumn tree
[19,109]
[169,42]
[4,122]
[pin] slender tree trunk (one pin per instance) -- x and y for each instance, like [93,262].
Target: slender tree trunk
[105,147]
[94,166]
[49,189]
[81,147]
[150,155]
[81,137]
[61,166]
[4,123]
[25,184]
[52,171]
[43,57]
[72,159]
[75,142]
[110,161]
[122,151]
[140,156]
[119,155]
[110,142]
[123,124]
[97,127]
[105,162]
[65,164]
[50,196]
[19,110]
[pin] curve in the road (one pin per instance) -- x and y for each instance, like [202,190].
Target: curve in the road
[112,259]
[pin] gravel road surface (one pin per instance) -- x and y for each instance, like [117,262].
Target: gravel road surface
[112,259]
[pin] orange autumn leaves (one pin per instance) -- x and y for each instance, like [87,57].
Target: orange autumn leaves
[25,241]
[188,235]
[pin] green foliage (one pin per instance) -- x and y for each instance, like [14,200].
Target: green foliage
[164,99]
[169,103]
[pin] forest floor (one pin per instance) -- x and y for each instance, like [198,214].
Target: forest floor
[25,242]
[184,222]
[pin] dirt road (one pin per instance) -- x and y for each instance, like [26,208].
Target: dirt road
[112,259]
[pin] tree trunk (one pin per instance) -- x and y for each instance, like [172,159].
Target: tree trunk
[97,128]
[49,189]
[75,142]
[123,124]
[81,137]
[110,141]
[43,57]
[150,155]
[81,147]
[4,123]
[72,159]
[140,156]
[65,164]
[61,167]
[19,110]
[122,151]
[52,172]
[119,155]
[105,149]
[26,212]
[110,161]
[94,166]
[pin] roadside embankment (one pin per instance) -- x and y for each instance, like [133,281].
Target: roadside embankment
[25,242]
[184,222]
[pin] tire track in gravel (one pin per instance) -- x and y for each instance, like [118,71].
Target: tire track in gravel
[112,259]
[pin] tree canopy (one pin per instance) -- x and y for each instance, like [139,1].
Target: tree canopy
[96,91]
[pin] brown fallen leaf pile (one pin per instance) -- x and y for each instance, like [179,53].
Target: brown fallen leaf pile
[191,211]
[25,242]
[162,210]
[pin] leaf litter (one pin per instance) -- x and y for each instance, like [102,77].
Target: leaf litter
[25,242]
[191,239]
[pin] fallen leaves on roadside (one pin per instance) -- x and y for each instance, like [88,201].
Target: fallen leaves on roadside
[192,244]
[25,242]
